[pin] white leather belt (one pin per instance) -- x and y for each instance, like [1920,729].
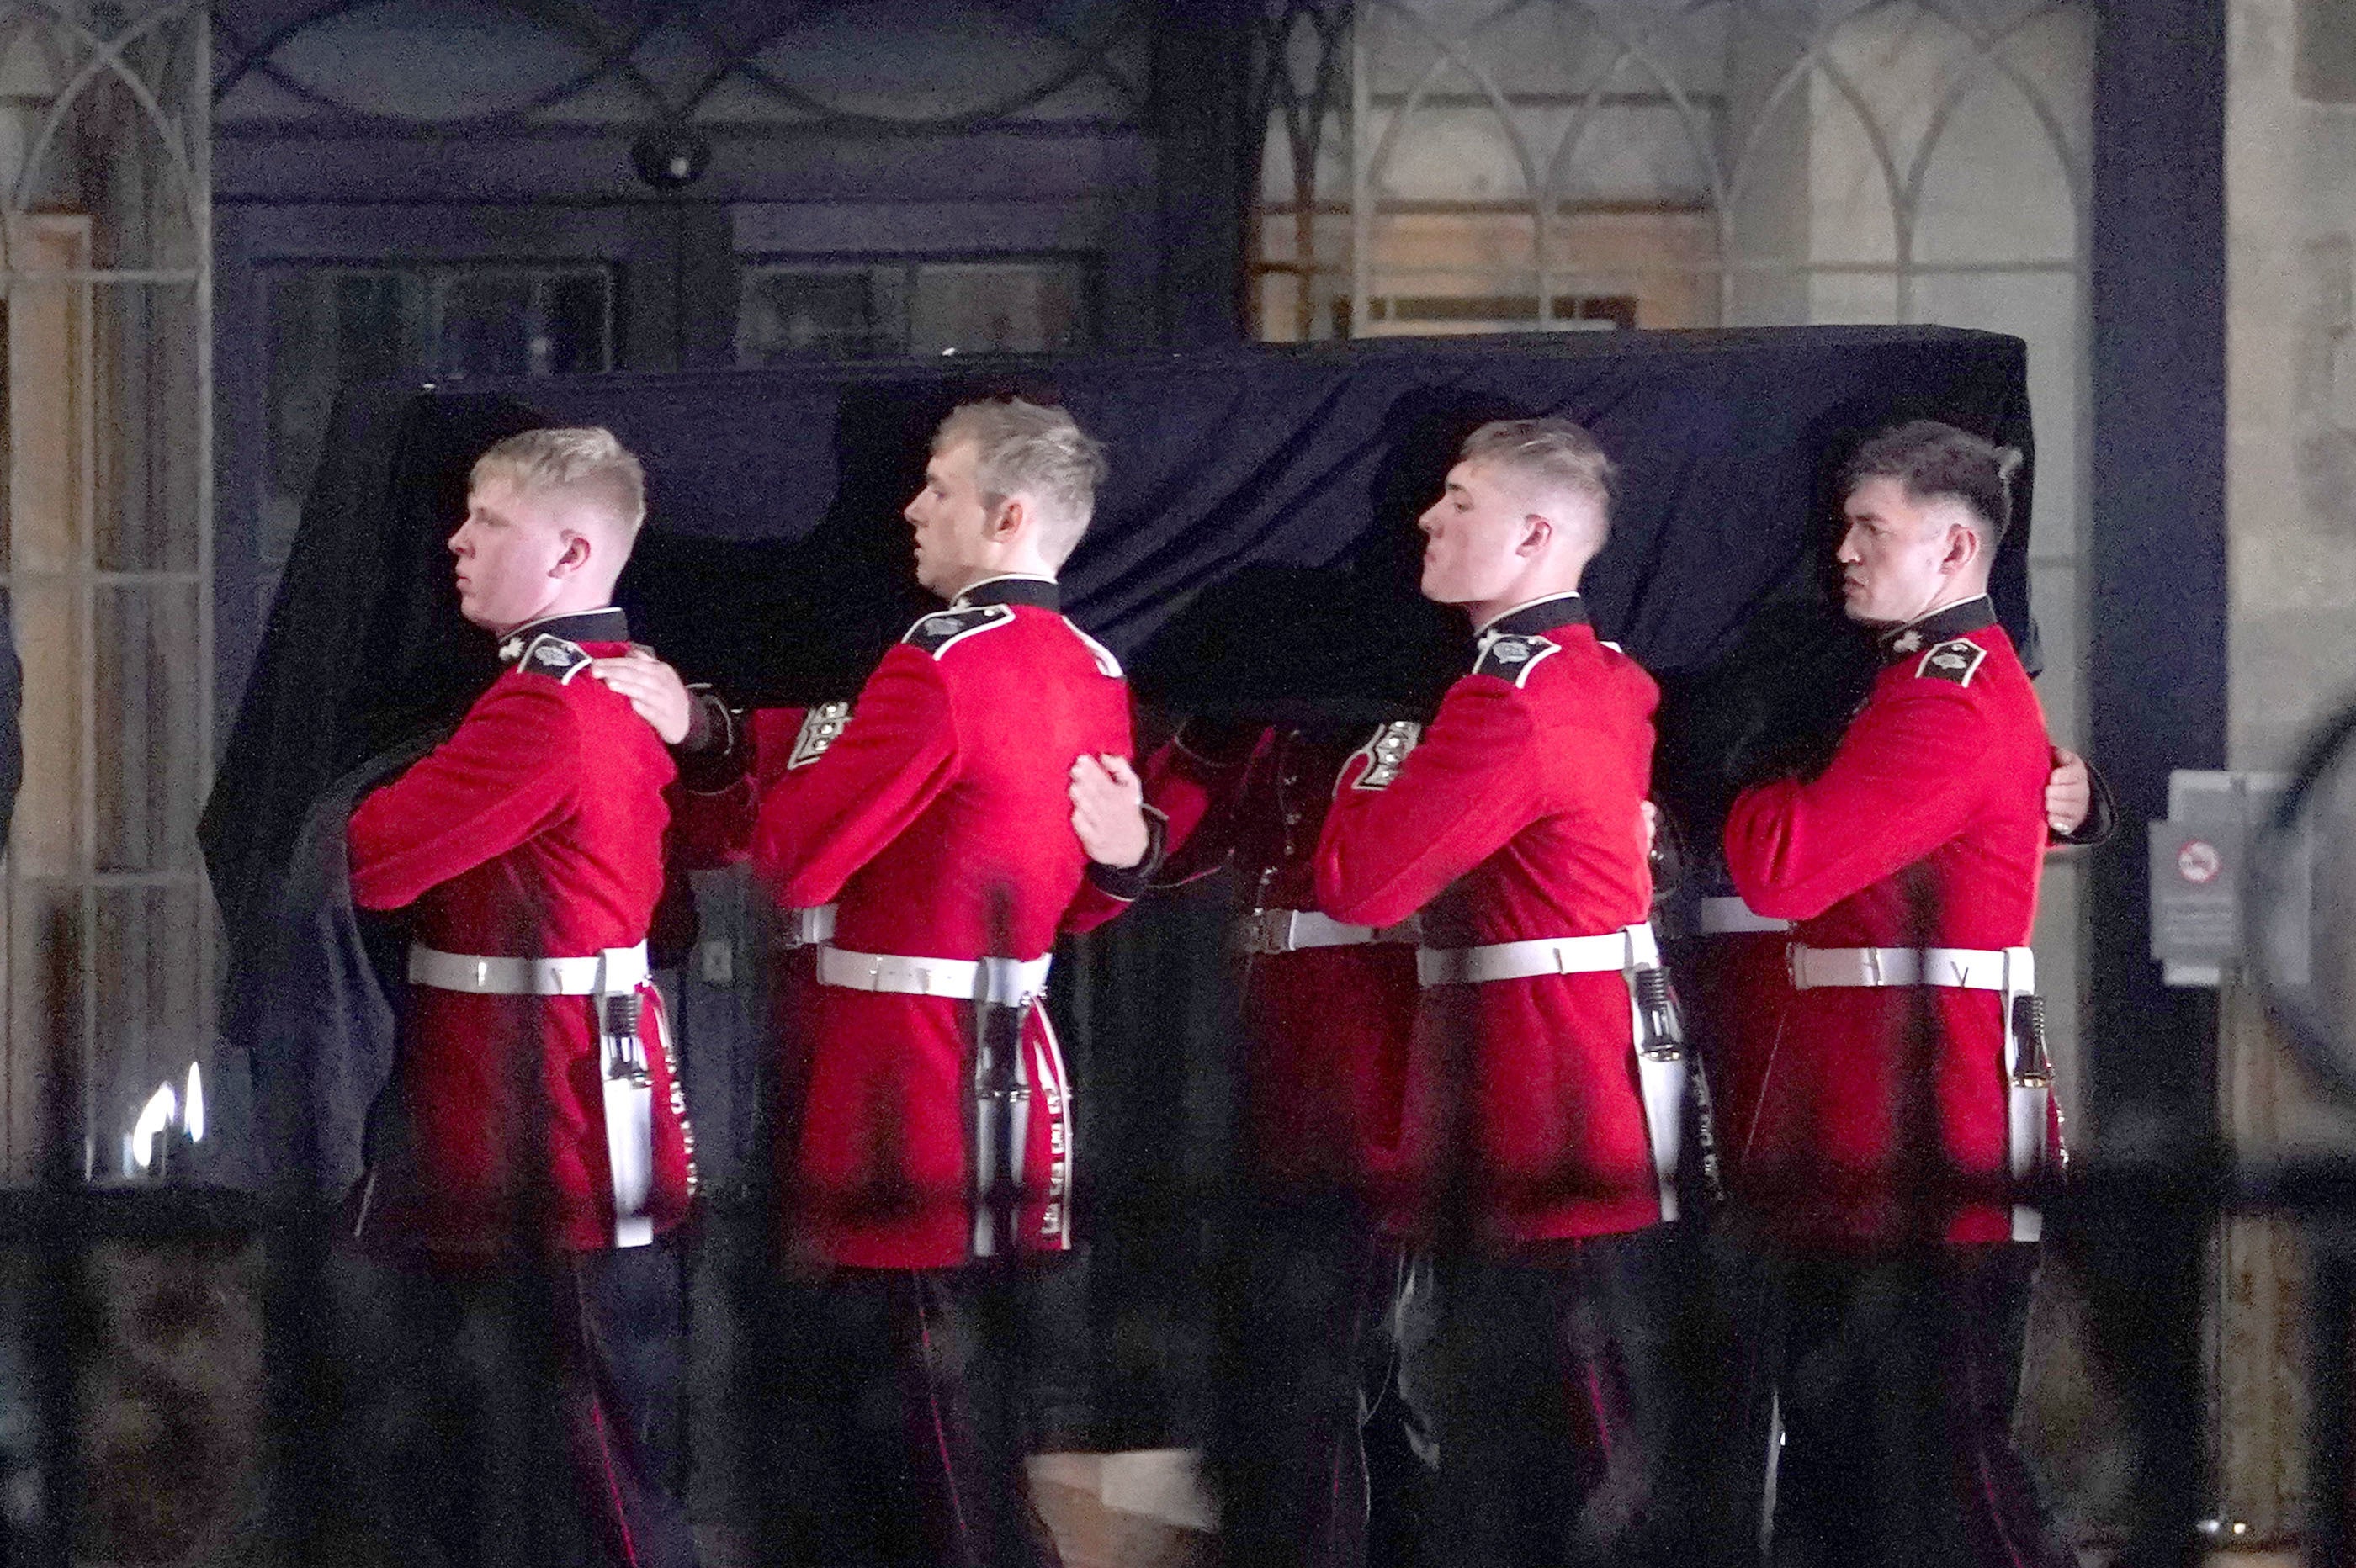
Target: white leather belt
[1731,917]
[1291,929]
[627,1083]
[1612,952]
[807,927]
[616,969]
[2011,970]
[2008,969]
[1003,982]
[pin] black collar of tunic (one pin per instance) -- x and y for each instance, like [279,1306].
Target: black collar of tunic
[605,625]
[1973,614]
[1040,593]
[1540,615]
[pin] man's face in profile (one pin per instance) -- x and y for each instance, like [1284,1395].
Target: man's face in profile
[1471,536]
[1896,554]
[507,552]
[951,523]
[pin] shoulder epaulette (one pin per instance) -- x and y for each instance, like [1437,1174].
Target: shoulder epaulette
[1958,660]
[557,657]
[820,728]
[944,629]
[1107,665]
[1511,656]
[1384,752]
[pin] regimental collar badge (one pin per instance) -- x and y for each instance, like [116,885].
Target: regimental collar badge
[1972,614]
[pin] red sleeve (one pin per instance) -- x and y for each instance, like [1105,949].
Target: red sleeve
[710,828]
[1469,787]
[1904,781]
[508,772]
[820,823]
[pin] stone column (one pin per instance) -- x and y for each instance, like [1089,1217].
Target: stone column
[2291,527]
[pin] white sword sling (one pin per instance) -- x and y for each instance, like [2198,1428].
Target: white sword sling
[629,1096]
[1663,1070]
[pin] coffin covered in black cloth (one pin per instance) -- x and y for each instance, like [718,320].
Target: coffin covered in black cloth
[1254,551]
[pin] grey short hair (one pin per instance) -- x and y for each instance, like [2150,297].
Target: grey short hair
[1553,454]
[586,462]
[1023,449]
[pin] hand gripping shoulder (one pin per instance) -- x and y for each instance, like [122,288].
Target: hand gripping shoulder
[1510,658]
[942,630]
[1956,660]
[554,657]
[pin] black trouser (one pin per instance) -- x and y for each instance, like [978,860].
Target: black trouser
[1896,1378]
[1317,1443]
[903,1421]
[1559,1377]
[498,1414]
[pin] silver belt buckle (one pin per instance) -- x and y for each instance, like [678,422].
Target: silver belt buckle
[1268,930]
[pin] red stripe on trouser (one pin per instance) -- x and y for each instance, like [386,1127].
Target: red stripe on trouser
[940,1423]
[620,1513]
[1982,1471]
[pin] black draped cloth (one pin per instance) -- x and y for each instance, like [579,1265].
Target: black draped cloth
[1253,553]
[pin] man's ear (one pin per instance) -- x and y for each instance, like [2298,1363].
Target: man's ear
[1963,548]
[578,552]
[1536,530]
[1007,521]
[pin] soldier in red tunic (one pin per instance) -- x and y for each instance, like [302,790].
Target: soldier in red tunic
[1541,1100]
[1319,1298]
[1908,1056]
[934,1132]
[536,1116]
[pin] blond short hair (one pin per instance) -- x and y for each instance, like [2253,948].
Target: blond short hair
[1554,454]
[1042,453]
[588,462]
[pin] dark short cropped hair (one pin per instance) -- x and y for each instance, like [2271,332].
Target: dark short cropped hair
[1936,462]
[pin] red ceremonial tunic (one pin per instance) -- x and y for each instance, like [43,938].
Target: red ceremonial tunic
[1326,1028]
[1927,830]
[1518,816]
[535,831]
[940,824]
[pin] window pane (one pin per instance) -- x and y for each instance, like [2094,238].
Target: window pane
[334,326]
[828,312]
[1023,307]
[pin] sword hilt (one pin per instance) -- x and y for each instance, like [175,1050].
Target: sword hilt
[2032,1063]
[1660,1034]
[627,1056]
